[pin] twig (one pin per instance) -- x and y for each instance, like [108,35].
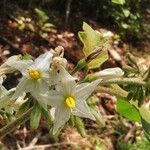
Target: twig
[134,81]
[48,146]
[68,11]
[130,133]
[111,91]
[14,49]
[35,139]
[12,125]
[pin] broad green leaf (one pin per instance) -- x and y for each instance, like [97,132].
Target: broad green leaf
[128,110]
[145,118]
[92,39]
[35,116]
[121,2]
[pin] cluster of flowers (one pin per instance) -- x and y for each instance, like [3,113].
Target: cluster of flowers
[48,81]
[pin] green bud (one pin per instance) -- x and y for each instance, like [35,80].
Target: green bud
[81,64]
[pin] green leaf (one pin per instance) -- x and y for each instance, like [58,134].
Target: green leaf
[41,15]
[126,12]
[79,124]
[121,2]
[23,108]
[145,118]
[99,119]
[95,111]
[146,127]
[119,90]
[35,116]
[47,116]
[128,110]
[92,39]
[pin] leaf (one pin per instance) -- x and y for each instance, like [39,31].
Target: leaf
[92,39]
[23,108]
[99,119]
[41,15]
[121,2]
[126,12]
[145,118]
[128,110]
[35,116]
[119,90]
[80,126]
[95,111]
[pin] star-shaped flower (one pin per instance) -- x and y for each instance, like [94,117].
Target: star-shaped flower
[70,98]
[35,76]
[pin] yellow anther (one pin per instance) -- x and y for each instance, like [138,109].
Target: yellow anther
[34,74]
[70,102]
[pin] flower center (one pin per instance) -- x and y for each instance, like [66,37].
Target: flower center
[34,74]
[70,102]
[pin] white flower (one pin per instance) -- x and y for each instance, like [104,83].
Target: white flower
[69,98]
[110,73]
[35,76]
[16,62]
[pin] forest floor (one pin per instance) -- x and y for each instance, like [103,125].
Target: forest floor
[118,133]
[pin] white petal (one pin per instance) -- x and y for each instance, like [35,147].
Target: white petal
[84,90]
[40,99]
[53,98]
[110,73]
[67,81]
[24,85]
[62,115]
[43,61]
[20,65]
[52,112]
[60,75]
[40,87]
[82,110]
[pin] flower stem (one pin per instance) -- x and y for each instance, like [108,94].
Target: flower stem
[134,81]
[112,91]
[14,124]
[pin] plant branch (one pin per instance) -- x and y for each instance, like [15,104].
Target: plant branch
[135,81]
[14,124]
[111,91]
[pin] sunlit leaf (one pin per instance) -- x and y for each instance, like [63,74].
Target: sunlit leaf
[121,2]
[92,39]
[128,110]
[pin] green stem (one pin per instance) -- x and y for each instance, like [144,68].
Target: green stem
[134,81]
[14,124]
[112,91]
